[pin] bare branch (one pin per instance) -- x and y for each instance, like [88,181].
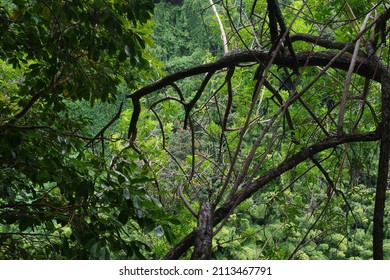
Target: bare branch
[185,201]
[101,132]
[318,41]
[223,34]
[348,80]
[363,67]
[270,175]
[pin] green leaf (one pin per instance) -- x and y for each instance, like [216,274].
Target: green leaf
[121,179]
[174,221]
[13,138]
[123,216]
[158,231]
[141,180]
[10,218]
[127,50]
[122,56]
[126,194]
[95,249]
[157,202]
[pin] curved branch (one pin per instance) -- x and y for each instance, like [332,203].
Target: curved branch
[198,94]
[316,40]
[348,80]
[101,132]
[185,201]
[363,67]
[380,27]
[223,34]
[228,80]
[132,133]
[277,13]
[270,175]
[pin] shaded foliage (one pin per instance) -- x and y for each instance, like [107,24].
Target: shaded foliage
[275,150]
[59,197]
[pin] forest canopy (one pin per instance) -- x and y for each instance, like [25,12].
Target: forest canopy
[194,129]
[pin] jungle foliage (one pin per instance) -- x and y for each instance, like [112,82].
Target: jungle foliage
[128,130]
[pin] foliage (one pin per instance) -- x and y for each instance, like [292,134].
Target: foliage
[260,132]
[183,34]
[59,198]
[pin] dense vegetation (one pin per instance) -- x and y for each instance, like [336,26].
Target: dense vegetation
[194,129]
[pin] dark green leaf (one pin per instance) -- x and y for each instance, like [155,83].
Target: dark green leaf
[123,216]
[158,231]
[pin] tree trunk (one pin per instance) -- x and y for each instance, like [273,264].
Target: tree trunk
[383,170]
[223,34]
[204,233]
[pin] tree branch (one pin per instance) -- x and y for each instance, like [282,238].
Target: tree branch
[223,34]
[316,40]
[363,67]
[348,80]
[380,26]
[270,175]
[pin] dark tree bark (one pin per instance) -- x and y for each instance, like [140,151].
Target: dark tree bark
[383,170]
[318,41]
[204,233]
[363,66]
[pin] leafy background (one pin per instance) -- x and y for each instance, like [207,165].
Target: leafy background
[72,187]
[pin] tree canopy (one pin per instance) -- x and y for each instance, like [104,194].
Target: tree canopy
[237,129]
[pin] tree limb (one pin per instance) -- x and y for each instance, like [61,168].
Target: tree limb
[270,175]
[223,34]
[363,67]
[316,40]
[348,80]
